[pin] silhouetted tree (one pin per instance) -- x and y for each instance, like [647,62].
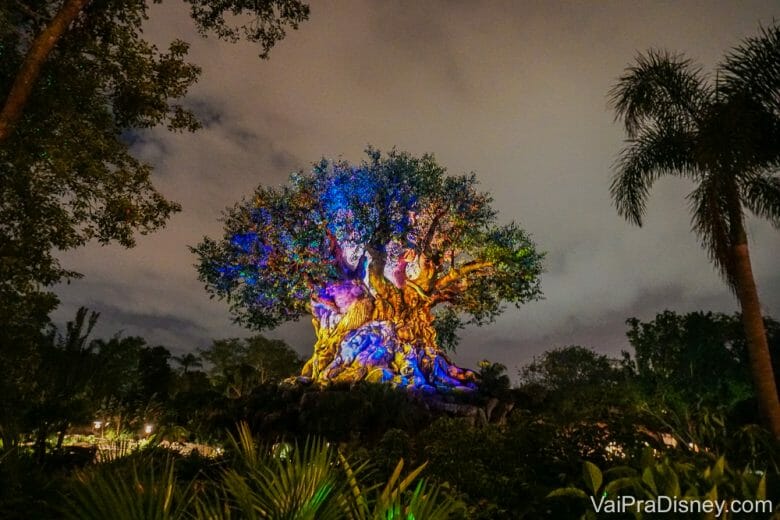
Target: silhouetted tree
[725,136]
[239,365]
[77,83]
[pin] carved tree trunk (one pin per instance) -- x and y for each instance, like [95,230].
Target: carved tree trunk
[383,333]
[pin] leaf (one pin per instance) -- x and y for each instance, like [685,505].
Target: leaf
[614,487]
[712,494]
[649,480]
[571,492]
[592,476]
[718,469]
[761,489]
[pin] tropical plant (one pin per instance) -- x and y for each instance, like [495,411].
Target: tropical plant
[671,479]
[238,365]
[694,357]
[315,481]
[63,380]
[188,361]
[144,489]
[725,136]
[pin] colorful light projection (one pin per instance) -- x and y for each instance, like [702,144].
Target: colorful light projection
[389,258]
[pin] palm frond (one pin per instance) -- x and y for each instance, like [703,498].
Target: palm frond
[661,90]
[753,69]
[304,486]
[407,497]
[317,482]
[150,493]
[761,195]
[710,222]
[652,153]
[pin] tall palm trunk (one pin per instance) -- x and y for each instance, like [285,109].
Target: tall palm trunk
[755,333]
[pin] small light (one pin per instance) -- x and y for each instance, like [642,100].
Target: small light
[97,424]
[148,429]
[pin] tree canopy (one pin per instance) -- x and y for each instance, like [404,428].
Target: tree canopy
[67,174]
[391,240]
[698,356]
[239,365]
[402,215]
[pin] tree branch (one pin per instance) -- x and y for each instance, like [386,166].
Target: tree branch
[33,63]
[426,243]
[461,273]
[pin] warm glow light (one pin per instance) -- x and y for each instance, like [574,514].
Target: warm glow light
[97,424]
[148,429]
[614,450]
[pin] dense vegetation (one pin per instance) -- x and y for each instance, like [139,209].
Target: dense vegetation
[498,453]
[119,428]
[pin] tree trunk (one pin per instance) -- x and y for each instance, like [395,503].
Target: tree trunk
[383,336]
[757,344]
[39,451]
[61,436]
[31,66]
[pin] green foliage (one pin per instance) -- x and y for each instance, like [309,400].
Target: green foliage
[305,485]
[239,365]
[132,383]
[62,379]
[67,172]
[696,357]
[447,323]
[602,384]
[721,134]
[269,18]
[665,477]
[493,380]
[146,490]
[312,480]
[285,244]
[24,319]
[570,366]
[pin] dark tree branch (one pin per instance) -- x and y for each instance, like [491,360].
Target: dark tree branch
[28,74]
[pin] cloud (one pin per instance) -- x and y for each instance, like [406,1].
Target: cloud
[514,91]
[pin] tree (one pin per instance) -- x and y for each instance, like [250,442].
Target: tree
[43,26]
[188,361]
[77,85]
[133,381]
[564,368]
[377,254]
[725,136]
[63,380]
[240,365]
[600,382]
[695,357]
[25,321]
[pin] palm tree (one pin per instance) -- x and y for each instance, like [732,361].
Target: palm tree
[725,136]
[188,361]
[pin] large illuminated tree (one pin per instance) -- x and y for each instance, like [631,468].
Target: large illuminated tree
[389,258]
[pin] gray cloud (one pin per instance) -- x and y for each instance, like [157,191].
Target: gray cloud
[514,91]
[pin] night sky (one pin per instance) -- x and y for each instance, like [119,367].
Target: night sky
[513,91]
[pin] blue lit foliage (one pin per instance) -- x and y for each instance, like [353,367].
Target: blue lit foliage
[287,250]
